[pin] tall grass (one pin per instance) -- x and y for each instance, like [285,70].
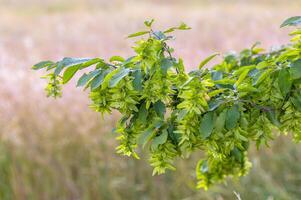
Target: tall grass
[59,161]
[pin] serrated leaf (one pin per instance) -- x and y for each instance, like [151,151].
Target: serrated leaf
[206,60]
[68,62]
[295,69]
[42,64]
[207,125]
[82,80]
[138,34]
[98,80]
[69,73]
[85,78]
[161,139]
[118,76]
[284,82]
[233,115]
[292,21]
[91,62]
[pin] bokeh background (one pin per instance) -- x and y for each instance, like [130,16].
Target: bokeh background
[60,149]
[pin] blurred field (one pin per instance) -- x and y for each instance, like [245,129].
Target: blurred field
[61,150]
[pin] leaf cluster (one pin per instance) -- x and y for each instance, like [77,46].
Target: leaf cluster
[248,97]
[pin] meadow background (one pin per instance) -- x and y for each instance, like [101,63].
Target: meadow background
[60,149]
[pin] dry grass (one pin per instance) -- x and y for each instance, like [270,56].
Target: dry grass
[62,150]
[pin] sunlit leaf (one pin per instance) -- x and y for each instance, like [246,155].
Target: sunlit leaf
[206,60]
[118,76]
[138,34]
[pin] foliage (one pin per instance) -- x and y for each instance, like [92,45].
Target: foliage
[247,97]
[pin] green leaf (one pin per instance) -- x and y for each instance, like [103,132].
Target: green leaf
[183,26]
[241,77]
[295,69]
[292,21]
[262,77]
[182,114]
[145,136]
[137,82]
[118,76]
[98,80]
[215,103]
[284,82]
[296,101]
[237,154]
[85,78]
[161,139]
[82,80]
[225,81]
[273,118]
[262,65]
[220,121]
[158,122]
[117,58]
[68,62]
[170,30]
[165,65]
[207,125]
[142,114]
[191,78]
[91,62]
[138,34]
[206,60]
[216,75]
[149,23]
[42,64]
[160,108]
[243,69]
[232,117]
[69,73]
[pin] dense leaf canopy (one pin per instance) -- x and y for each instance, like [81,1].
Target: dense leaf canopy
[218,111]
